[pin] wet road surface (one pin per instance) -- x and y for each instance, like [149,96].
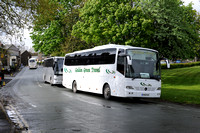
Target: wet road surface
[55,109]
[5,126]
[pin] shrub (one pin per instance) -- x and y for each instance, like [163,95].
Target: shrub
[180,65]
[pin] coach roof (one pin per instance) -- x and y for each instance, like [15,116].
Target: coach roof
[110,46]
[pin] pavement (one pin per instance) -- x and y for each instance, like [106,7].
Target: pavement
[5,123]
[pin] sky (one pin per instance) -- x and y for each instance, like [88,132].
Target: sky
[196,4]
[28,40]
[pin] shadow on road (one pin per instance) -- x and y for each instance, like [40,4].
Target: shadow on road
[113,99]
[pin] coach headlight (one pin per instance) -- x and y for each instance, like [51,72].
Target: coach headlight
[129,87]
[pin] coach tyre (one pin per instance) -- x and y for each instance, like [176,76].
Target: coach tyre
[74,87]
[106,92]
[45,79]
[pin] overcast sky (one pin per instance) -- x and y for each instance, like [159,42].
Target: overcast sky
[27,39]
[196,5]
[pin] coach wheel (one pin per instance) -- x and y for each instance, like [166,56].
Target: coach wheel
[106,92]
[44,79]
[74,87]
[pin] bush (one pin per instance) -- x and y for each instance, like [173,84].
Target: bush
[13,68]
[180,65]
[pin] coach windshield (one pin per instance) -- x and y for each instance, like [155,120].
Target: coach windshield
[145,64]
[58,66]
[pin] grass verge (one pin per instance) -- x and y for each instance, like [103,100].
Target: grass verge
[181,85]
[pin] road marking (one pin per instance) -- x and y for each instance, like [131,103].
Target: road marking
[33,105]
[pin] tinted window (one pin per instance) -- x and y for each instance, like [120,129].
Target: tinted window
[120,61]
[106,56]
[48,63]
[69,60]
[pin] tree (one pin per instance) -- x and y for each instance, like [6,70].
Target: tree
[176,33]
[53,25]
[48,40]
[165,25]
[103,22]
[15,15]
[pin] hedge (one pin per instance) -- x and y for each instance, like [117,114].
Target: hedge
[180,65]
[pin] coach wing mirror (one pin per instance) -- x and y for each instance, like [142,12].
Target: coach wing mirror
[166,61]
[129,60]
[128,57]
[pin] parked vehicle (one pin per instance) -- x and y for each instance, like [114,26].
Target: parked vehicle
[114,70]
[53,70]
[32,63]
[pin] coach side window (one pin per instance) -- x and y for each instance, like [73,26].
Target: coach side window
[106,56]
[88,58]
[48,63]
[120,61]
[69,60]
[96,57]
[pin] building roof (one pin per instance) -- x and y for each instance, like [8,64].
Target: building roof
[26,52]
[11,46]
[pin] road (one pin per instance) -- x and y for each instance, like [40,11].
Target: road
[55,109]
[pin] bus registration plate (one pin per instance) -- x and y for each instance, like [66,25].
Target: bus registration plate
[145,94]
